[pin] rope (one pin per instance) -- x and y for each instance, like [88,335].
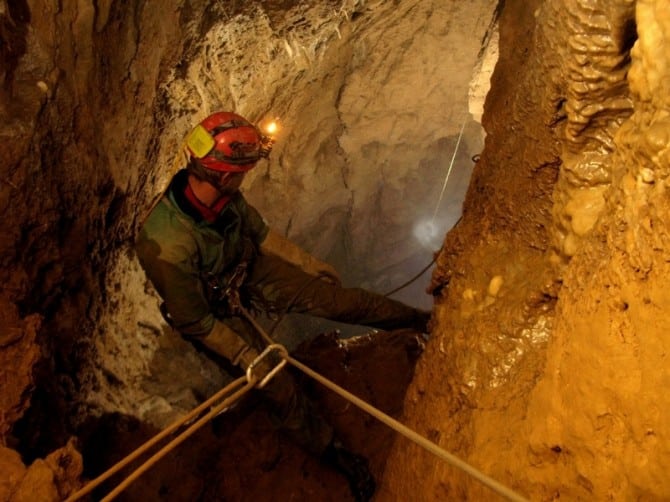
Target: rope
[165,432]
[446,178]
[404,285]
[410,434]
[435,255]
[437,206]
[256,326]
[250,380]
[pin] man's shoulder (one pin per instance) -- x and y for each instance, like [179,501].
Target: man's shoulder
[238,200]
[162,218]
[168,228]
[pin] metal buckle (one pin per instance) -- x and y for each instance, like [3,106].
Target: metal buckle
[283,353]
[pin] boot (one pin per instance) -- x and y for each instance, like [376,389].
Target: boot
[422,321]
[352,466]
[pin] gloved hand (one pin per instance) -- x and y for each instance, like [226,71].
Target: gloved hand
[227,343]
[323,269]
[275,244]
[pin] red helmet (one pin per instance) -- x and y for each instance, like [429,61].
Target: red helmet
[226,142]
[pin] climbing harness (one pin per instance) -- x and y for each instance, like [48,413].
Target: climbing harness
[223,293]
[225,301]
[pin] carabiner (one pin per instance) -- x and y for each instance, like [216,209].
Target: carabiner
[283,353]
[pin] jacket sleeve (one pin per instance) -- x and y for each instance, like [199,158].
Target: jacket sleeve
[277,245]
[172,270]
[256,225]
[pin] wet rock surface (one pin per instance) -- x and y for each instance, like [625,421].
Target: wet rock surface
[544,363]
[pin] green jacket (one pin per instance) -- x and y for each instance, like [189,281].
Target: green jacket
[177,246]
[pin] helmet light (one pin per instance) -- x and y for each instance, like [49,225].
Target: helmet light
[270,127]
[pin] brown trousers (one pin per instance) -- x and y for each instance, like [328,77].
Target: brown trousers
[281,286]
[284,285]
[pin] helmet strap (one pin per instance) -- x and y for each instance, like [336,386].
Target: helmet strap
[202,173]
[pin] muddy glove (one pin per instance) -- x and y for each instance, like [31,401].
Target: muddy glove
[275,244]
[225,342]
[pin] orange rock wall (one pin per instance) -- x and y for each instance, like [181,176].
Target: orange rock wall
[547,368]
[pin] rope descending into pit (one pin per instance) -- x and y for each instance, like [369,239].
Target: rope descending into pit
[446,178]
[494,485]
[432,221]
[237,389]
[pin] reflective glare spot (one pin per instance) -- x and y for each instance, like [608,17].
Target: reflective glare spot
[428,234]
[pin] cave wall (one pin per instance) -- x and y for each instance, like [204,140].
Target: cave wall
[547,366]
[612,317]
[71,177]
[95,101]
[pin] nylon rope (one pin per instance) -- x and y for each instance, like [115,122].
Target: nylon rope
[432,221]
[387,420]
[410,434]
[419,274]
[446,178]
[232,387]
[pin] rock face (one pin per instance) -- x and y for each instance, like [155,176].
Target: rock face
[49,480]
[546,368]
[545,372]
